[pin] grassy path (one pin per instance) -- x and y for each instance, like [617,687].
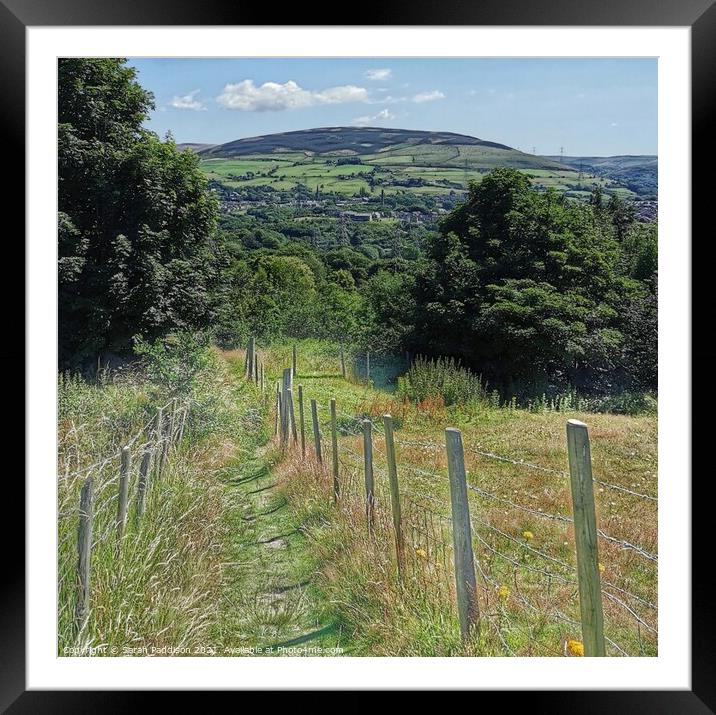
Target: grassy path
[269,605]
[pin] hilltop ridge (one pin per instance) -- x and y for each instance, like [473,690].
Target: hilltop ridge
[355,141]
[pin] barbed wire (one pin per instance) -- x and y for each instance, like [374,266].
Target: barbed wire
[641,599]
[624,544]
[524,545]
[421,532]
[529,465]
[520,507]
[533,569]
[628,545]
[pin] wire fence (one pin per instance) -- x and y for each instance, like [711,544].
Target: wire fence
[525,554]
[96,502]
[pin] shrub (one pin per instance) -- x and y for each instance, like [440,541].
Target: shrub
[175,362]
[441,377]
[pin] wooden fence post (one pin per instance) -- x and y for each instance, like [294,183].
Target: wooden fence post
[251,351]
[285,415]
[394,493]
[278,411]
[585,537]
[124,468]
[256,367]
[293,362]
[84,554]
[301,420]
[184,417]
[143,482]
[316,432]
[368,472]
[334,445]
[292,416]
[170,422]
[161,442]
[465,582]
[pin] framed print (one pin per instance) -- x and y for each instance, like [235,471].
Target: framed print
[360,372]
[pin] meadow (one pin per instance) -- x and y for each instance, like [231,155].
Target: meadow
[432,170]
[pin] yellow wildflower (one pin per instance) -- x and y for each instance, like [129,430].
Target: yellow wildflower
[528,535]
[503,592]
[601,567]
[421,553]
[575,647]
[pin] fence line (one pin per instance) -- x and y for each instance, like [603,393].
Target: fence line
[105,505]
[419,524]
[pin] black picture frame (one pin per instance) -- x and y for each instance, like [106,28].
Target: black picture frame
[699,15]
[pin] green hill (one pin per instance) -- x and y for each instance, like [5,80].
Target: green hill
[639,173]
[346,160]
[383,146]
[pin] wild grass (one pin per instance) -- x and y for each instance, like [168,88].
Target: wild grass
[195,569]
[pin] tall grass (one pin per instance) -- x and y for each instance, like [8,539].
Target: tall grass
[618,403]
[441,377]
[157,588]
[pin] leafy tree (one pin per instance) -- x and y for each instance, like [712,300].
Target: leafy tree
[387,312]
[136,249]
[533,291]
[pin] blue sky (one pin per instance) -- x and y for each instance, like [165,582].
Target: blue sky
[588,106]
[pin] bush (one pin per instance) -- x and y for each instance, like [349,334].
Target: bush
[175,362]
[441,377]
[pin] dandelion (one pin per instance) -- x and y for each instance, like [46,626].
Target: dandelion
[575,647]
[601,567]
[528,535]
[421,553]
[503,592]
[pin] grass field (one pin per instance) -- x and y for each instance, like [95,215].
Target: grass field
[440,169]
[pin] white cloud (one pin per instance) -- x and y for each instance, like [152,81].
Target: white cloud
[428,96]
[188,101]
[379,74]
[383,115]
[274,97]
[614,124]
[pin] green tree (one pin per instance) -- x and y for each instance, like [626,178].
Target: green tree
[532,290]
[137,253]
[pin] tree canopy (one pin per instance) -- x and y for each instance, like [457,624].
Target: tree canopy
[137,253]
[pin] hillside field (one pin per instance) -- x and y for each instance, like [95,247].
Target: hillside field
[426,173]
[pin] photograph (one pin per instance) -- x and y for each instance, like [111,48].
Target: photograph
[357,356]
